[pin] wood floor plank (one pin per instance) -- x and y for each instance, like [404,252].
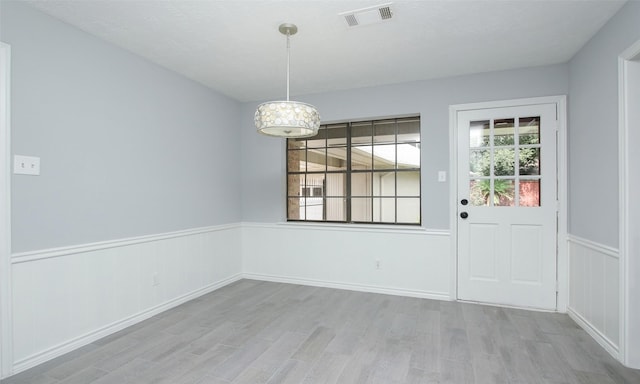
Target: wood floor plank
[206,363]
[456,372]
[87,375]
[263,332]
[489,369]
[315,345]
[240,359]
[393,361]
[326,370]
[131,373]
[291,372]
[280,350]
[425,353]
[418,376]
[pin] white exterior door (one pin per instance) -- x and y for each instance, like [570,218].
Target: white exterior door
[507,205]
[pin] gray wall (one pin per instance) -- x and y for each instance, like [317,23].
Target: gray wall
[127,148]
[593,128]
[263,158]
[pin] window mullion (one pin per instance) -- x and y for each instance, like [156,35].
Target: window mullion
[348,176]
[395,176]
[373,167]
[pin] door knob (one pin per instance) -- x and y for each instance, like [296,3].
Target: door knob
[464,215]
[464,201]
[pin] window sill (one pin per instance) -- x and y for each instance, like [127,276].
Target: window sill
[377,228]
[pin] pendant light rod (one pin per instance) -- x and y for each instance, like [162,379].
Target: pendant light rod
[288,30]
[288,63]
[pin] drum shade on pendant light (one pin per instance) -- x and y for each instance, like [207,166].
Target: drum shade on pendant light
[287,118]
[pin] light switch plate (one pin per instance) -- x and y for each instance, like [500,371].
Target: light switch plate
[26,165]
[442,176]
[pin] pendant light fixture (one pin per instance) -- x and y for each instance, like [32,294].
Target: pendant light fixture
[287,118]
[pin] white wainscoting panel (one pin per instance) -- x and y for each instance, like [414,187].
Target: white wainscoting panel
[398,261]
[68,297]
[594,290]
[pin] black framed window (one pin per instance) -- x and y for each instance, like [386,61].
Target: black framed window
[356,172]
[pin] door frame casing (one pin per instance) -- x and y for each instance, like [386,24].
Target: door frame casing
[6,338]
[627,353]
[562,270]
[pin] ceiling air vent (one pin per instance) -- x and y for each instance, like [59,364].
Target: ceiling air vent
[385,13]
[351,20]
[370,15]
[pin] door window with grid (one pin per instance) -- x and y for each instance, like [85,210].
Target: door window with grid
[356,172]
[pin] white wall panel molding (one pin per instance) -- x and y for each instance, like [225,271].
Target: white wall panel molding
[66,298]
[24,257]
[594,290]
[82,340]
[409,262]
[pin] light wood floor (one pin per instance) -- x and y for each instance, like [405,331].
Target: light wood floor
[259,332]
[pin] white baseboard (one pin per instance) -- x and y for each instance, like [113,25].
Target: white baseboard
[350,287]
[598,336]
[97,334]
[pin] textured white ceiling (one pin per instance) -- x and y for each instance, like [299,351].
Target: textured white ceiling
[235,47]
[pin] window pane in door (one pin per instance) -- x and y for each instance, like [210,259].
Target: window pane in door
[529,130]
[504,162]
[504,192]
[479,192]
[503,132]
[529,193]
[479,162]
[479,134]
[529,161]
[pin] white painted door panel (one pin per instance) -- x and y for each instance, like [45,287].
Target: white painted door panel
[507,175]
